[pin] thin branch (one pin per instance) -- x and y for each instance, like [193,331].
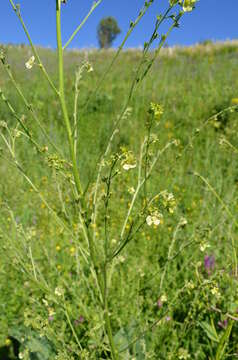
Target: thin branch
[82,23]
[16,8]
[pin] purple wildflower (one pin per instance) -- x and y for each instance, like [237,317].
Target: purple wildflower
[50,318]
[209,263]
[159,303]
[79,321]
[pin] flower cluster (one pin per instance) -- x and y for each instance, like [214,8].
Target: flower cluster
[163,299]
[203,246]
[209,263]
[168,201]
[55,162]
[59,291]
[215,292]
[154,218]
[129,161]
[187,5]
[157,110]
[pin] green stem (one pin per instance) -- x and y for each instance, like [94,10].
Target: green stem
[142,12]
[17,11]
[62,99]
[82,23]
[213,191]
[28,105]
[101,279]
[149,125]
[114,353]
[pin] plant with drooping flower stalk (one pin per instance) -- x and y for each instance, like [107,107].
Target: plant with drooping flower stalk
[92,203]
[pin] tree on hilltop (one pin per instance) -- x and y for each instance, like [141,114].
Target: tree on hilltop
[107,31]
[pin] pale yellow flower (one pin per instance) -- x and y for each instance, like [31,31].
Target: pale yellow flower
[204,246]
[8,342]
[128,166]
[157,110]
[154,219]
[164,298]
[215,291]
[59,291]
[188,5]
[29,64]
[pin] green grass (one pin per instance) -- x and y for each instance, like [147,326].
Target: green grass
[192,85]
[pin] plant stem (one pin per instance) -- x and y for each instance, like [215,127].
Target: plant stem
[28,105]
[62,98]
[17,11]
[101,275]
[95,4]
[149,125]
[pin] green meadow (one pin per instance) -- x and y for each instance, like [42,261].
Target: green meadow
[172,290]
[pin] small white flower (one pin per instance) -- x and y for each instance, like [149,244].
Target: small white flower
[131,190]
[3,124]
[121,259]
[45,302]
[188,5]
[215,291]
[190,285]
[204,246]
[128,166]
[164,298]
[51,311]
[29,64]
[154,219]
[59,291]
[183,221]
[149,220]
[89,68]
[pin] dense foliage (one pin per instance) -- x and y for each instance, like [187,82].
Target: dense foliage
[107,31]
[169,302]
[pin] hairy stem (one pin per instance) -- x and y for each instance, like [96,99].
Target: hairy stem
[62,99]
[100,275]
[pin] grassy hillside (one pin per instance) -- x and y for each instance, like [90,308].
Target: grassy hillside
[174,292]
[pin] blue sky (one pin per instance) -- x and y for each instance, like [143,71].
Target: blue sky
[212,19]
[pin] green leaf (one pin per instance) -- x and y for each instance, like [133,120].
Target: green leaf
[210,331]
[39,347]
[223,342]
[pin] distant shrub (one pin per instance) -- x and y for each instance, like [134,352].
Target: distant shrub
[107,31]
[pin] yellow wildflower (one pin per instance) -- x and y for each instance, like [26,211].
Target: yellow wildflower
[157,110]
[234,101]
[8,342]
